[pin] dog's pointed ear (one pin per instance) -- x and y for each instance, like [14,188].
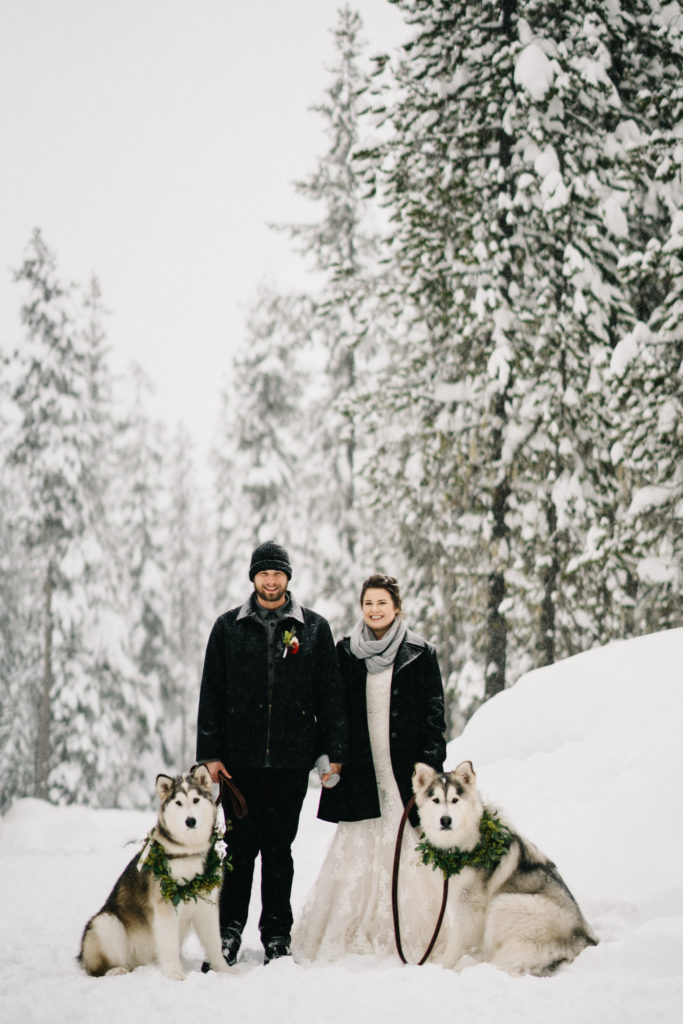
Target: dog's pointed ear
[201,776]
[422,773]
[164,785]
[465,773]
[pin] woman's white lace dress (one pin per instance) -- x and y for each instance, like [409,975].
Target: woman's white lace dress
[348,909]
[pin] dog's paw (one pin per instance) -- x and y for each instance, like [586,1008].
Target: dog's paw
[173,972]
[113,971]
[222,967]
[464,962]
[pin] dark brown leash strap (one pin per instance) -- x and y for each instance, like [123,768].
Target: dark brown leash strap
[394,892]
[239,804]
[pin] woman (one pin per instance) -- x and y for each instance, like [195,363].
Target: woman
[395,708]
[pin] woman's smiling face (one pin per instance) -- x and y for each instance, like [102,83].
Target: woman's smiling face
[378,610]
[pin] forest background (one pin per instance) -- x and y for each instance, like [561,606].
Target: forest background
[477,390]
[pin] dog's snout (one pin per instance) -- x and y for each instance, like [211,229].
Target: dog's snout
[190,822]
[446,821]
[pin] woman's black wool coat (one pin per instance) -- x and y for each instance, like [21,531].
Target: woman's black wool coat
[416,729]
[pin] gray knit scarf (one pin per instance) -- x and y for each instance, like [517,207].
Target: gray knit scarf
[377,654]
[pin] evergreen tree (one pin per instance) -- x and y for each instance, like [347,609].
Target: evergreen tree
[50,392]
[19,653]
[261,450]
[341,250]
[225,569]
[57,388]
[141,516]
[603,68]
[187,624]
[509,172]
[645,545]
[118,721]
[443,174]
[69,724]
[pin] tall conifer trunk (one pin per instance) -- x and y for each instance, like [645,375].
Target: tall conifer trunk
[496,623]
[550,577]
[44,716]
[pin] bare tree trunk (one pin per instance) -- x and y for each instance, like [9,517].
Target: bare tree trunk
[43,740]
[496,634]
[496,623]
[546,640]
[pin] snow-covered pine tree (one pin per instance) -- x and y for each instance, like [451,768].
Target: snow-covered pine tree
[57,375]
[645,546]
[140,511]
[600,87]
[187,624]
[443,399]
[647,366]
[19,622]
[260,452]
[69,680]
[340,248]
[567,183]
[505,171]
[225,568]
[49,389]
[111,724]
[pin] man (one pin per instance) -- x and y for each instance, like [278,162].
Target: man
[271,702]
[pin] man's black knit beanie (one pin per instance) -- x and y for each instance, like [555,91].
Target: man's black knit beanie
[269,556]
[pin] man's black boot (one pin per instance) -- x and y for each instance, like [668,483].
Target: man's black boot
[231,940]
[276,947]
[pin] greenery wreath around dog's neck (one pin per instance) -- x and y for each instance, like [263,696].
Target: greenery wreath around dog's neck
[199,887]
[495,840]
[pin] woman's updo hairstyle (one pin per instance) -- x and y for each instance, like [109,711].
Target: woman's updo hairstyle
[379,581]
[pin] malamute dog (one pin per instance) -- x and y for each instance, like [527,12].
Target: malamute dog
[172,884]
[507,904]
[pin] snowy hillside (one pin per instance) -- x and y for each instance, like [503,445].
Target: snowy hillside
[585,757]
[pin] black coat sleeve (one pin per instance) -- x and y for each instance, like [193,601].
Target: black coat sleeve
[331,719]
[212,696]
[433,716]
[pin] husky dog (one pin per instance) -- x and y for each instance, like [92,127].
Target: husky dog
[510,908]
[150,909]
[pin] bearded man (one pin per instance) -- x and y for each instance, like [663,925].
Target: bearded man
[271,703]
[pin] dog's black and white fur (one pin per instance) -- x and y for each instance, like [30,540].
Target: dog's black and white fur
[137,925]
[520,917]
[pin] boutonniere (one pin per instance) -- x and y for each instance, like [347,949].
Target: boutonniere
[291,642]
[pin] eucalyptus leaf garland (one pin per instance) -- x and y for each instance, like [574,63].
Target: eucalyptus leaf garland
[495,841]
[200,886]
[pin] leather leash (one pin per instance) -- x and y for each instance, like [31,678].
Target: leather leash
[239,804]
[394,893]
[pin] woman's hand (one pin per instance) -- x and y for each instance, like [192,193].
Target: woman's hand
[334,770]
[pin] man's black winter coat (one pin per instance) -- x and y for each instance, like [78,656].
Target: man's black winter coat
[251,717]
[416,729]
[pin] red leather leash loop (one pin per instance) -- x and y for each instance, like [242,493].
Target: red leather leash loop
[394,893]
[239,804]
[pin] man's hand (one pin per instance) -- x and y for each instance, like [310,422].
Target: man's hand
[216,769]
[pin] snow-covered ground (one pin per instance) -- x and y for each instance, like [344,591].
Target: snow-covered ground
[586,757]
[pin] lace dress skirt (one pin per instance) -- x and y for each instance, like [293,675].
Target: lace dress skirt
[348,910]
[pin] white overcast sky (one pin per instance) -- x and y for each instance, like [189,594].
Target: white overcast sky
[152,141]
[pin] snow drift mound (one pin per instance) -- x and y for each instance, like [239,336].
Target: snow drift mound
[585,757]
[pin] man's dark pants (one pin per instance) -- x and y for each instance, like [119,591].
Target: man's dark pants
[274,798]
